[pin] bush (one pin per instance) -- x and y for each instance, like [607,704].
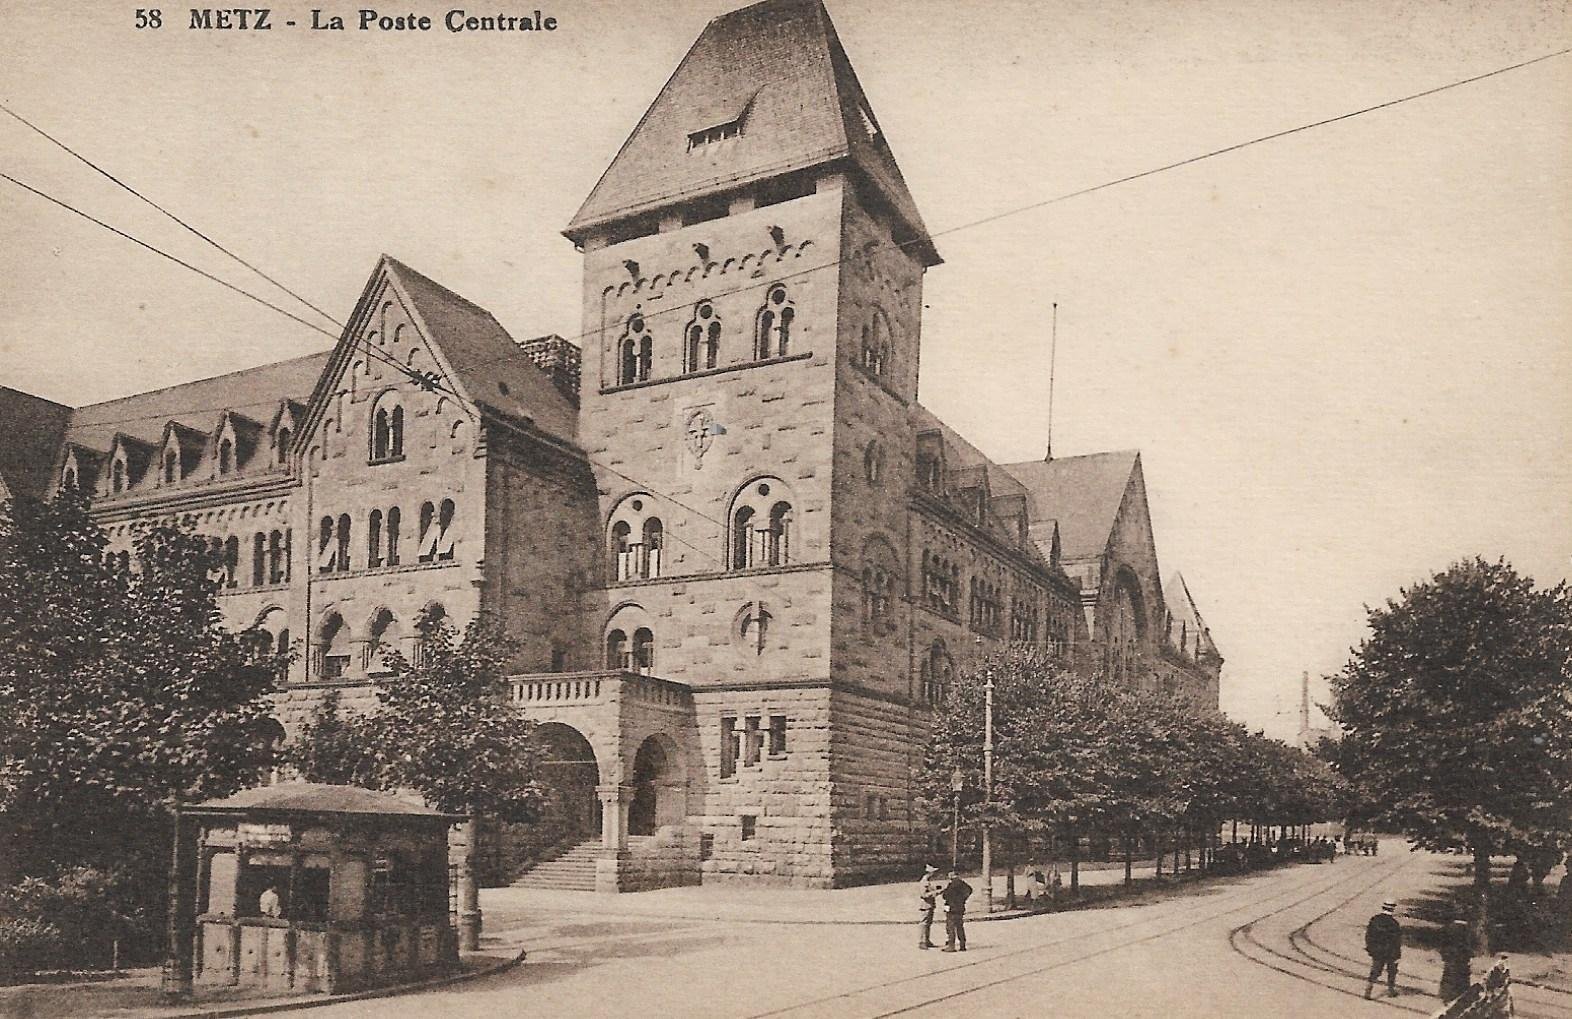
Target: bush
[86,909]
[28,945]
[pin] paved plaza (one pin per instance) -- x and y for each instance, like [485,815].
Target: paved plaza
[1283,943]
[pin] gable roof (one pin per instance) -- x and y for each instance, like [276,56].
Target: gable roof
[1083,493]
[491,368]
[34,429]
[779,66]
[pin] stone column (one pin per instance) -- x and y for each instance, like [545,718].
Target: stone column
[612,863]
[469,918]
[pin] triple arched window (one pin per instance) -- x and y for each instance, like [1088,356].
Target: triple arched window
[387,429]
[762,522]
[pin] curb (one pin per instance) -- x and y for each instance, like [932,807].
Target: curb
[336,999]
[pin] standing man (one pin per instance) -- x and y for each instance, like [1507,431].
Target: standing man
[1384,945]
[955,894]
[927,900]
[1457,953]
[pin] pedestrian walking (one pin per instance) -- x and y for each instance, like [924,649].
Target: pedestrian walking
[927,902]
[1384,945]
[955,894]
[1457,955]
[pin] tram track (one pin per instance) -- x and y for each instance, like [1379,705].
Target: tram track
[1320,959]
[1208,911]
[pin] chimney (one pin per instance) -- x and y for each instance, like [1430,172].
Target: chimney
[559,359]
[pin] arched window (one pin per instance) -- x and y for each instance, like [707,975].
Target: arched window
[636,538]
[70,478]
[742,538]
[342,537]
[231,561]
[171,467]
[617,656]
[772,332]
[701,344]
[392,528]
[374,539]
[117,477]
[779,550]
[875,355]
[275,558]
[385,634]
[644,650]
[622,550]
[428,532]
[258,559]
[333,645]
[762,522]
[387,428]
[654,543]
[873,463]
[226,455]
[636,351]
[878,583]
[281,444]
[446,540]
[628,362]
[938,672]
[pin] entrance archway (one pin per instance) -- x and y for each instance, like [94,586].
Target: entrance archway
[570,773]
[657,788]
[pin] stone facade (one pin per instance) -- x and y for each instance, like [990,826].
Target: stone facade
[741,560]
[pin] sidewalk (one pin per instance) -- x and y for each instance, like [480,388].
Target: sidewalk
[865,904]
[135,994]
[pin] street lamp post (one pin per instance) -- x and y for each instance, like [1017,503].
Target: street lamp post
[957,782]
[987,841]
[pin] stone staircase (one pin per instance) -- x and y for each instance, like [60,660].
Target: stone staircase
[574,870]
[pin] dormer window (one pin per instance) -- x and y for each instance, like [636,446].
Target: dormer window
[226,456]
[70,478]
[281,444]
[117,477]
[171,467]
[699,140]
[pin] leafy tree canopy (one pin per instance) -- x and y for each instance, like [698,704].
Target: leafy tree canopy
[1457,711]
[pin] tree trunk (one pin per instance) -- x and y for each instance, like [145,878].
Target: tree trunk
[1481,846]
[1157,847]
[1075,863]
[1009,874]
[1129,877]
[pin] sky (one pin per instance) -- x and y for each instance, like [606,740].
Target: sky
[1345,355]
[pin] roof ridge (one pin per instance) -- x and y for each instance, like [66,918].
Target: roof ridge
[192,382]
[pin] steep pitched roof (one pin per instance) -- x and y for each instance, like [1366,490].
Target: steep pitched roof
[778,70]
[1181,606]
[195,405]
[490,366]
[1082,493]
[33,428]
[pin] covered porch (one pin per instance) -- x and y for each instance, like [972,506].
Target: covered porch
[622,759]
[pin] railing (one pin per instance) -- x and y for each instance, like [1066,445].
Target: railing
[639,562]
[577,688]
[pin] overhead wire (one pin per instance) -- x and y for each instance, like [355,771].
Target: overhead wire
[431,383]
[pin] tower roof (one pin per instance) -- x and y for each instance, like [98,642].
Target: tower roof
[775,77]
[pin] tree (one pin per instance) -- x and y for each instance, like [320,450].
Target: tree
[442,727]
[120,691]
[1457,718]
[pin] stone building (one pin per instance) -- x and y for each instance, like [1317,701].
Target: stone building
[742,560]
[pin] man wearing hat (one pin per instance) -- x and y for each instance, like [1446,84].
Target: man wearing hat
[1384,945]
[927,899]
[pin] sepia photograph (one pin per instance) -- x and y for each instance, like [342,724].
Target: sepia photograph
[715,509]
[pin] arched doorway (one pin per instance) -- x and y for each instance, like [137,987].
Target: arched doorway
[657,788]
[570,773]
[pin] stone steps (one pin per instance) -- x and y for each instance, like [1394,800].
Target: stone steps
[574,870]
